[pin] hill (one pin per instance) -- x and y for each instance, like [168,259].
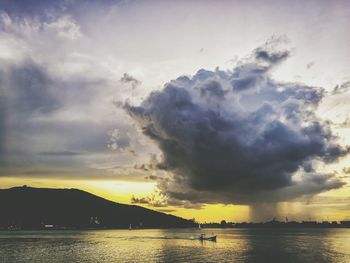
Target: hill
[33,208]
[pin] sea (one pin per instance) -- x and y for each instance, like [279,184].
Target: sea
[176,245]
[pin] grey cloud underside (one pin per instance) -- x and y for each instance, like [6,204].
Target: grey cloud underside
[2,128]
[28,89]
[47,9]
[31,134]
[240,136]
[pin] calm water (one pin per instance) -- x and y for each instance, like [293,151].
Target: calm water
[233,245]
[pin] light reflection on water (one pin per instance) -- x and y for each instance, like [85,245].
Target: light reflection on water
[181,245]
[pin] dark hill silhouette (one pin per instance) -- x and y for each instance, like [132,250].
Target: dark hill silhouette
[31,208]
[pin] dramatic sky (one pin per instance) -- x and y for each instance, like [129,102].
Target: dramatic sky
[204,109]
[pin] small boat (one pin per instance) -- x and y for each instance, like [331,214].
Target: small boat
[210,238]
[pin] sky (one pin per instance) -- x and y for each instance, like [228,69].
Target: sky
[213,110]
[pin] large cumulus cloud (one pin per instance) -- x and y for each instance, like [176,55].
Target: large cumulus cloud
[239,136]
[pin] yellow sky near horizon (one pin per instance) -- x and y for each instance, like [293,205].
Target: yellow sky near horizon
[331,207]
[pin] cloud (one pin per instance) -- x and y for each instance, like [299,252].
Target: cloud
[59,116]
[2,128]
[166,210]
[340,89]
[310,65]
[119,139]
[48,8]
[151,201]
[28,89]
[135,200]
[60,153]
[33,100]
[239,136]
[160,201]
[271,57]
[48,117]
[130,79]
[346,170]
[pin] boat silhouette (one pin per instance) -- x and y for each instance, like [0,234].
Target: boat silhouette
[203,237]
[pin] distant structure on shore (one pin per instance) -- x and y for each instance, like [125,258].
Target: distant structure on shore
[279,224]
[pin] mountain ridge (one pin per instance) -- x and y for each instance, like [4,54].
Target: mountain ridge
[27,207]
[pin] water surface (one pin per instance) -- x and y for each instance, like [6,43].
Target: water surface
[181,245]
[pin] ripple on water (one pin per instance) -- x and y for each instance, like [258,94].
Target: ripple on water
[181,245]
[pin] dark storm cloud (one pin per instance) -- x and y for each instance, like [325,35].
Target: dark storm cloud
[240,136]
